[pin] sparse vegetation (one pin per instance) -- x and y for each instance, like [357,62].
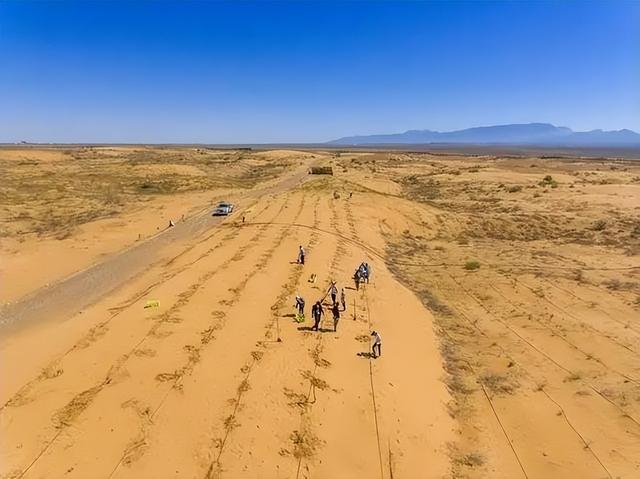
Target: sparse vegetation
[498,383]
[304,444]
[548,282]
[471,459]
[321,170]
[599,225]
[472,265]
[575,376]
[548,181]
[86,184]
[433,303]
[617,285]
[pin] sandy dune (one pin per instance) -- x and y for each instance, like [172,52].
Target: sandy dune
[508,317]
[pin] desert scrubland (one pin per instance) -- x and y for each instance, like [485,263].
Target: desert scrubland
[506,291]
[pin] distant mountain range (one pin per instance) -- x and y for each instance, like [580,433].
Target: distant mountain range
[538,134]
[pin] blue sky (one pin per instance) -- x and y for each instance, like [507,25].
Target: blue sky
[311,71]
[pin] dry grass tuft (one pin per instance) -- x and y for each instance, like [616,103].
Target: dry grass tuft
[315,381]
[433,303]
[575,376]
[471,459]
[498,383]
[305,444]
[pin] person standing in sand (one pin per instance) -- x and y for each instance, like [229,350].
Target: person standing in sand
[356,279]
[336,316]
[333,291]
[300,305]
[377,344]
[343,299]
[316,312]
[301,254]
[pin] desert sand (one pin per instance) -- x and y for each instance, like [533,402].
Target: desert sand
[506,291]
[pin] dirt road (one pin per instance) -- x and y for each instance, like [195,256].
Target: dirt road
[70,295]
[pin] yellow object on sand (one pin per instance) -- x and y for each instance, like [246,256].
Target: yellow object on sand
[152,303]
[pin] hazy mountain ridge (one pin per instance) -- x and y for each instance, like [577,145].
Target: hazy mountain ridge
[512,134]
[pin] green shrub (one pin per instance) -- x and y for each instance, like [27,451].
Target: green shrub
[548,181]
[472,265]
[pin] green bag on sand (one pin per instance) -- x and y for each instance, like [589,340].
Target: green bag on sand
[299,318]
[152,303]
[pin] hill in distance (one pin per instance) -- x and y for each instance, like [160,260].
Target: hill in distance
[538,134]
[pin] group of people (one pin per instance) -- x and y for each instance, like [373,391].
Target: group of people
[362,274]
[317,311]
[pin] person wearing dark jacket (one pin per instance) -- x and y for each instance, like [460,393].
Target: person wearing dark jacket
[316,312]
[357,277]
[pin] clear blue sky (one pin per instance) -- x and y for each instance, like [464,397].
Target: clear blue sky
[304,71]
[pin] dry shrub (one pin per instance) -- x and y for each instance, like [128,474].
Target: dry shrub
[318,383]
[617,285]
[575,376]
[321,170]
[471,459]
[305,444]
[498,384]
[433,303]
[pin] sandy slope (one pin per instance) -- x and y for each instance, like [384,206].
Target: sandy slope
[201,387]
[21,270]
